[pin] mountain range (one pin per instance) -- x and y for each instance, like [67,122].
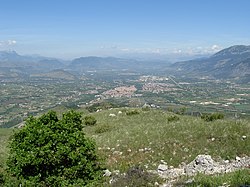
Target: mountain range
[232,62]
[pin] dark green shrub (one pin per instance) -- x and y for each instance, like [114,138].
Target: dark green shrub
[103,106]
[89,120]
[136,177]
[181,111]
[172,118]
[102,128]
[48,151]
[170,109]
[212,117]
[1,178]
[146,108]
[132,112]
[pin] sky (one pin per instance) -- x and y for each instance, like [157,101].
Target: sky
[73,28]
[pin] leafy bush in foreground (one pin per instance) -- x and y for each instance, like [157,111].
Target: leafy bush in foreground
[53,152]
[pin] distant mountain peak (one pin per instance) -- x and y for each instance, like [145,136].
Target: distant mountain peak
[233,50]
[232,62]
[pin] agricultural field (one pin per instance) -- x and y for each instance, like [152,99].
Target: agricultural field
[192,96]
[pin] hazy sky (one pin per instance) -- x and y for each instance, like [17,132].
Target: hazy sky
[70,28]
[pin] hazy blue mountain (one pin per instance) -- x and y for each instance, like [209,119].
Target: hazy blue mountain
[109,63]
[50,64]
[14,65]
[12,59]
[232,62]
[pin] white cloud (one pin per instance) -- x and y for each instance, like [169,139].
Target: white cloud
[11,42]
[7,43]
[177,51]
[181,51]
[215,47]
[157,51]
[205,50]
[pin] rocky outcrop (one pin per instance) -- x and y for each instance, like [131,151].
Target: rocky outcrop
[201,164]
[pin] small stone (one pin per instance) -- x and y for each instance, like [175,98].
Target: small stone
[163,162]
[116,172]
[156,184]
[129,150]
[147,149]
[237,158]
[116,153]
[244,137]
[225,185]
[226,161]
[111,181]
[107,173]
[212,139]
[189,181]
[162,167]
[112,115]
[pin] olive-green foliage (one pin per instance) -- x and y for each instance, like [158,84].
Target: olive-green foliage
[102,128]
[103,105]
[53,152]
[1,178]
[212,117]
[132,112]
[89,120]
[172,118]
[146,108]
[181,111]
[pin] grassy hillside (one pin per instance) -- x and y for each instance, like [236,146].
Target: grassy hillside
[131,137]
[4,137]
[151,136]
